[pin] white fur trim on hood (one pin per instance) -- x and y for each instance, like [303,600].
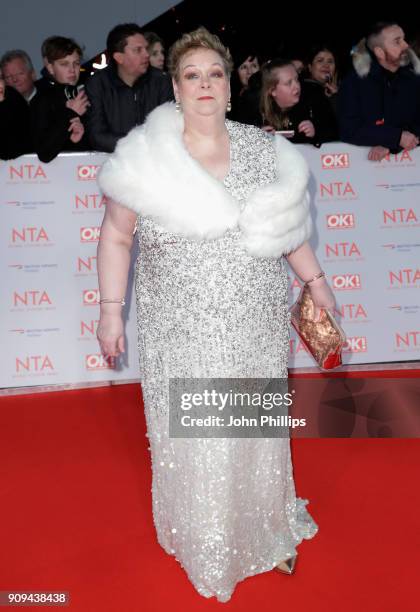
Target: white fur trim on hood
[362,59]
[152,173]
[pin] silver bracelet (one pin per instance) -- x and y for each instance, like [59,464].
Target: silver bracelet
[112,301]
[314,278]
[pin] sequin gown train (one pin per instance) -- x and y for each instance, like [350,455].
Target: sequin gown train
[226,508]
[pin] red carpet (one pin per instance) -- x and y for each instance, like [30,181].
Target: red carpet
[76,515]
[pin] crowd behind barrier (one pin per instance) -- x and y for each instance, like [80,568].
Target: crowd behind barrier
[367,219]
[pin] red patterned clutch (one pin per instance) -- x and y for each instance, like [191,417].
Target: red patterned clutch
[324,339]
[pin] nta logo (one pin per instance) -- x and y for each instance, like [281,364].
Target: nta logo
[27,172]
[34,363]
[337,190]
[399,215]
[410,339]
[29,234]
[88,328]
[406,276]
[90,201]
[342,249]
[31,298]
[352,312]
[86,264]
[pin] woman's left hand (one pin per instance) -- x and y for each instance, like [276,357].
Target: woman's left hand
[322,296]
[307,127]
[330,89]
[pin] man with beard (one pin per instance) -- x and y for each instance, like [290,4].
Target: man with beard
[379,101]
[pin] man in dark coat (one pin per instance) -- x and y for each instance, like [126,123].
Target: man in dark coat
[123,94]
[379,101]
[14,123]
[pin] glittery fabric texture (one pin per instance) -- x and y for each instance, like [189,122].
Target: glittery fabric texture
[226,508]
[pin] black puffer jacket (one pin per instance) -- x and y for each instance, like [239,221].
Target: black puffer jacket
[116,107]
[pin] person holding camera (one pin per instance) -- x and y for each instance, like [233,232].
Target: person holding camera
[322,70]
[57,112]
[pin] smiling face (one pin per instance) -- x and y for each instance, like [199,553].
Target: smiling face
[287,91]
[202,85]
[66,70]
[322,67]
[17,74]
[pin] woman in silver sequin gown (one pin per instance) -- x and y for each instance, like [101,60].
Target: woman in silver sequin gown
[226,508]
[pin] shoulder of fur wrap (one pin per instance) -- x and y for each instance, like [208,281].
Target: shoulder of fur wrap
[276,219]
[152,173]
[362,59]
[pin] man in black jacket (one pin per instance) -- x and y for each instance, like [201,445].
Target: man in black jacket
[14,123]
[379,102]
[124,93]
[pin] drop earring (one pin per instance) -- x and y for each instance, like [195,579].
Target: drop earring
[229,106]
[178,106]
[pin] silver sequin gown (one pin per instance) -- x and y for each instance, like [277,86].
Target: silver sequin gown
[226,508]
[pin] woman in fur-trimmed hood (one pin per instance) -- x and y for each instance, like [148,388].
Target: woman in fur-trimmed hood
[217,206]
[378,100]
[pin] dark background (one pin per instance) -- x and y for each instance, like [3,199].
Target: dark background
[275,28]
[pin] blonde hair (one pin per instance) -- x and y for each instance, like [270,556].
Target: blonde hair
[270,110]
[192,41]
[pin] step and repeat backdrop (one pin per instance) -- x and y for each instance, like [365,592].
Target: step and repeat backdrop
[367,238]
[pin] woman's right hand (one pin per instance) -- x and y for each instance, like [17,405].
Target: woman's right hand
[307,127]
[110,334]
[322,296]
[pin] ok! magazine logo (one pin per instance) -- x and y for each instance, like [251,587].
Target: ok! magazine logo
[355,344]
[346,282]
[87,172]
[90,297]
[90,234]
[335,161]
[97,361]
[340,221]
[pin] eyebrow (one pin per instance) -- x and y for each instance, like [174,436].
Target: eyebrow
[195,65]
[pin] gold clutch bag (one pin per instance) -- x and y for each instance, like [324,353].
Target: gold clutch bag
[324,339]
